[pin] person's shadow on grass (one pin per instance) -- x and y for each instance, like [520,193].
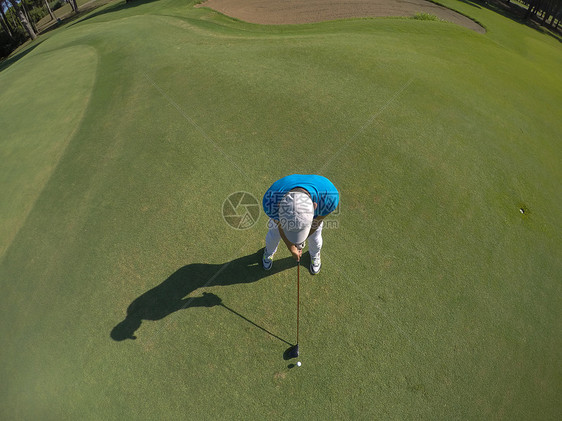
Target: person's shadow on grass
[169,296]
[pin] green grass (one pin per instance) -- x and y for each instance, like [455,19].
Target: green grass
[123,134]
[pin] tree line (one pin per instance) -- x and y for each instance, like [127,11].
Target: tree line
[18,20]
[544,10]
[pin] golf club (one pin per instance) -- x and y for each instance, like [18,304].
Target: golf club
[293,352]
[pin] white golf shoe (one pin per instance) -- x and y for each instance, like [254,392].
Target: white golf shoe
[267,261]
[315,266]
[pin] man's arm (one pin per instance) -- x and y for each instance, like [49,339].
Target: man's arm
[292,248]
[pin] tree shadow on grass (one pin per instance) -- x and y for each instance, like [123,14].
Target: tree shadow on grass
[471,3]
[70,16]
[516,12]
[122,5]
[4,64]
[169,296]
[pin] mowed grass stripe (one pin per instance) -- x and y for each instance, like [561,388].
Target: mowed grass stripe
[38,92]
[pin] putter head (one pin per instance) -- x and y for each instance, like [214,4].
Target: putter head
[291,352]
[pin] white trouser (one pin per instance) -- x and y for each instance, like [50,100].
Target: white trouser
[273,237]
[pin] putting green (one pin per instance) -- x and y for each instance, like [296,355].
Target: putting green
[437,298]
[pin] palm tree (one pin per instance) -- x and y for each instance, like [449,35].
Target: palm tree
[23,20]
[49,10]
[27,15]
[4,21]
[73,5]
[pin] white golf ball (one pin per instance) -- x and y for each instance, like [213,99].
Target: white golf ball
[298,363]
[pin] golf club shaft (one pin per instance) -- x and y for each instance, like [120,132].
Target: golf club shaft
[298,296]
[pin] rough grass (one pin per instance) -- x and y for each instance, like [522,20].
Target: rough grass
[437,297]
[425,16]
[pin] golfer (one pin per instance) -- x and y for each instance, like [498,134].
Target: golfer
[297,205]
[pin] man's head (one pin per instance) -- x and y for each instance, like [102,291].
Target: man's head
[296,212]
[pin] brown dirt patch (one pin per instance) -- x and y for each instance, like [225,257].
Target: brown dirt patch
[275,12]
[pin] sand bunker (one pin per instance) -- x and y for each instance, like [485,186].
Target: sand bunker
[277,12]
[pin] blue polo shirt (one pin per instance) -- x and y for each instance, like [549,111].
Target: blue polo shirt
[321,190]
